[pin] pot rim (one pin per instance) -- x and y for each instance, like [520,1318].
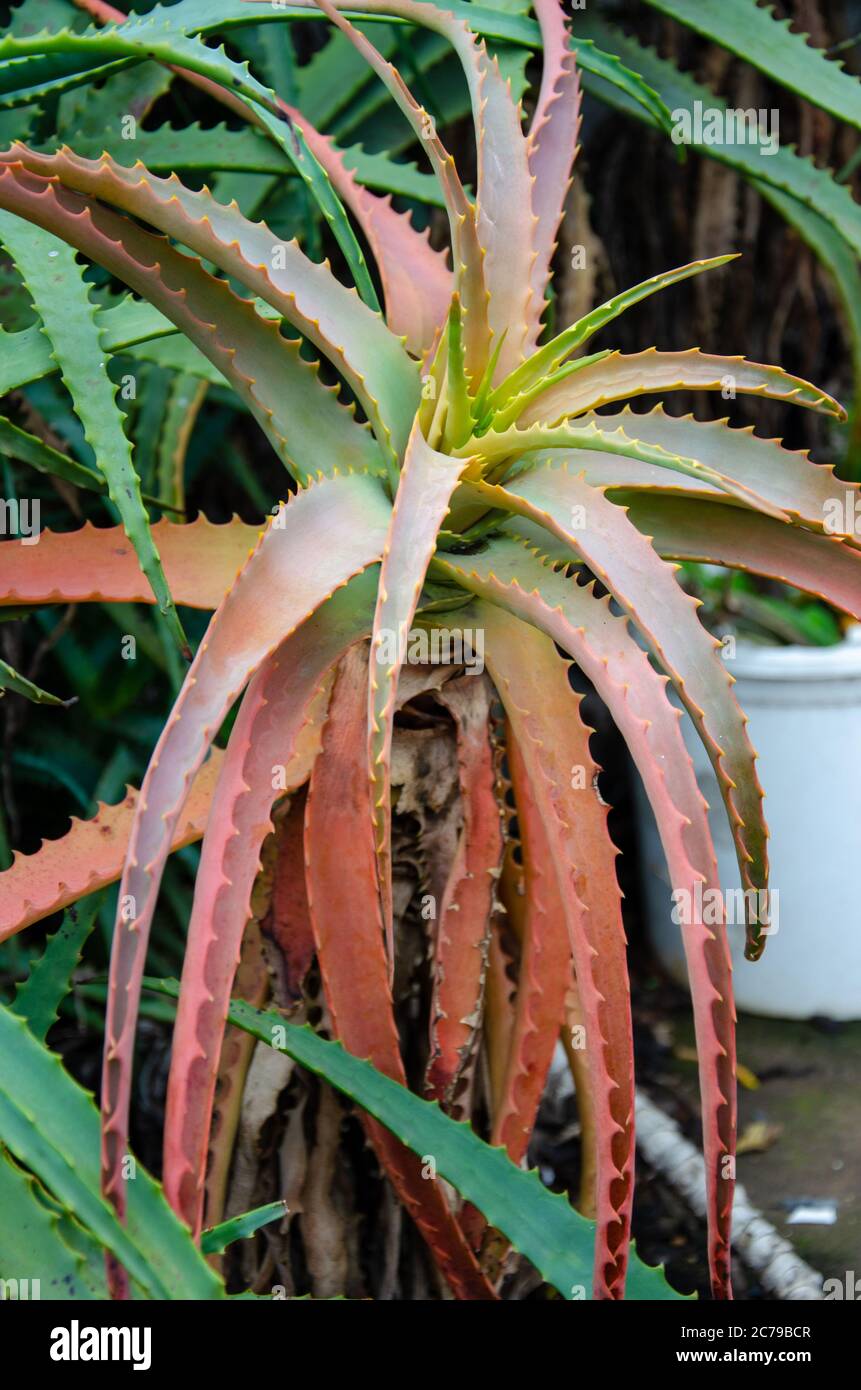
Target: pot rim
[796,663]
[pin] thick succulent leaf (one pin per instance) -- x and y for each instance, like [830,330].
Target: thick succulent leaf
[551,356]
[326,535]
[60,1145]
[553,743]
[552,147]
[505,444]
[686,529]
[38,998]
[32,1243]
[329,314]
[90,855]
[265,368]
[600,536]
[348,929]
[621,375]
[61,298]
[512,577]
[427,482]
[267,756]
[760,38]
[535,911]
[464,917]
[787,480]
[201,560]
[783,169]
[539,1223]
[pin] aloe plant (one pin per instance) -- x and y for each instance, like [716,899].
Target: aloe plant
[476,482]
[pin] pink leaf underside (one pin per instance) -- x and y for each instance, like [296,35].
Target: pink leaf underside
[504,183]
[264,749]
[600,535]
[463,926]
[513,577]
[785,479]
[416,279]
[619,376]
[320,540]
[262,366]
[90,855]
[545,975]
[348,928]
[331,315]
[417,282]
[552,147]
[683,528]
[553,743]
[201,561]
[427,482]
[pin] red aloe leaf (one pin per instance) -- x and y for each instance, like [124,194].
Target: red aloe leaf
[320,540]
[545,963]
[263,367]
[265,758]
[553,743]
[345,914]
[90,854]
[427,482]
[463,927]
[201,561]
[331,315]
[619,376]
[684,529]
[552,147]
[510,575]
[599,534]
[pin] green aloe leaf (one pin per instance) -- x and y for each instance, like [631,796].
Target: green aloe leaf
[755,34]
[10,679]
[38,998]
[36,1242]
[541,1224]
[217,1238]
[51,1125]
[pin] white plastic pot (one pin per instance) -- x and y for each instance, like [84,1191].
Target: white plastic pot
[804,705]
